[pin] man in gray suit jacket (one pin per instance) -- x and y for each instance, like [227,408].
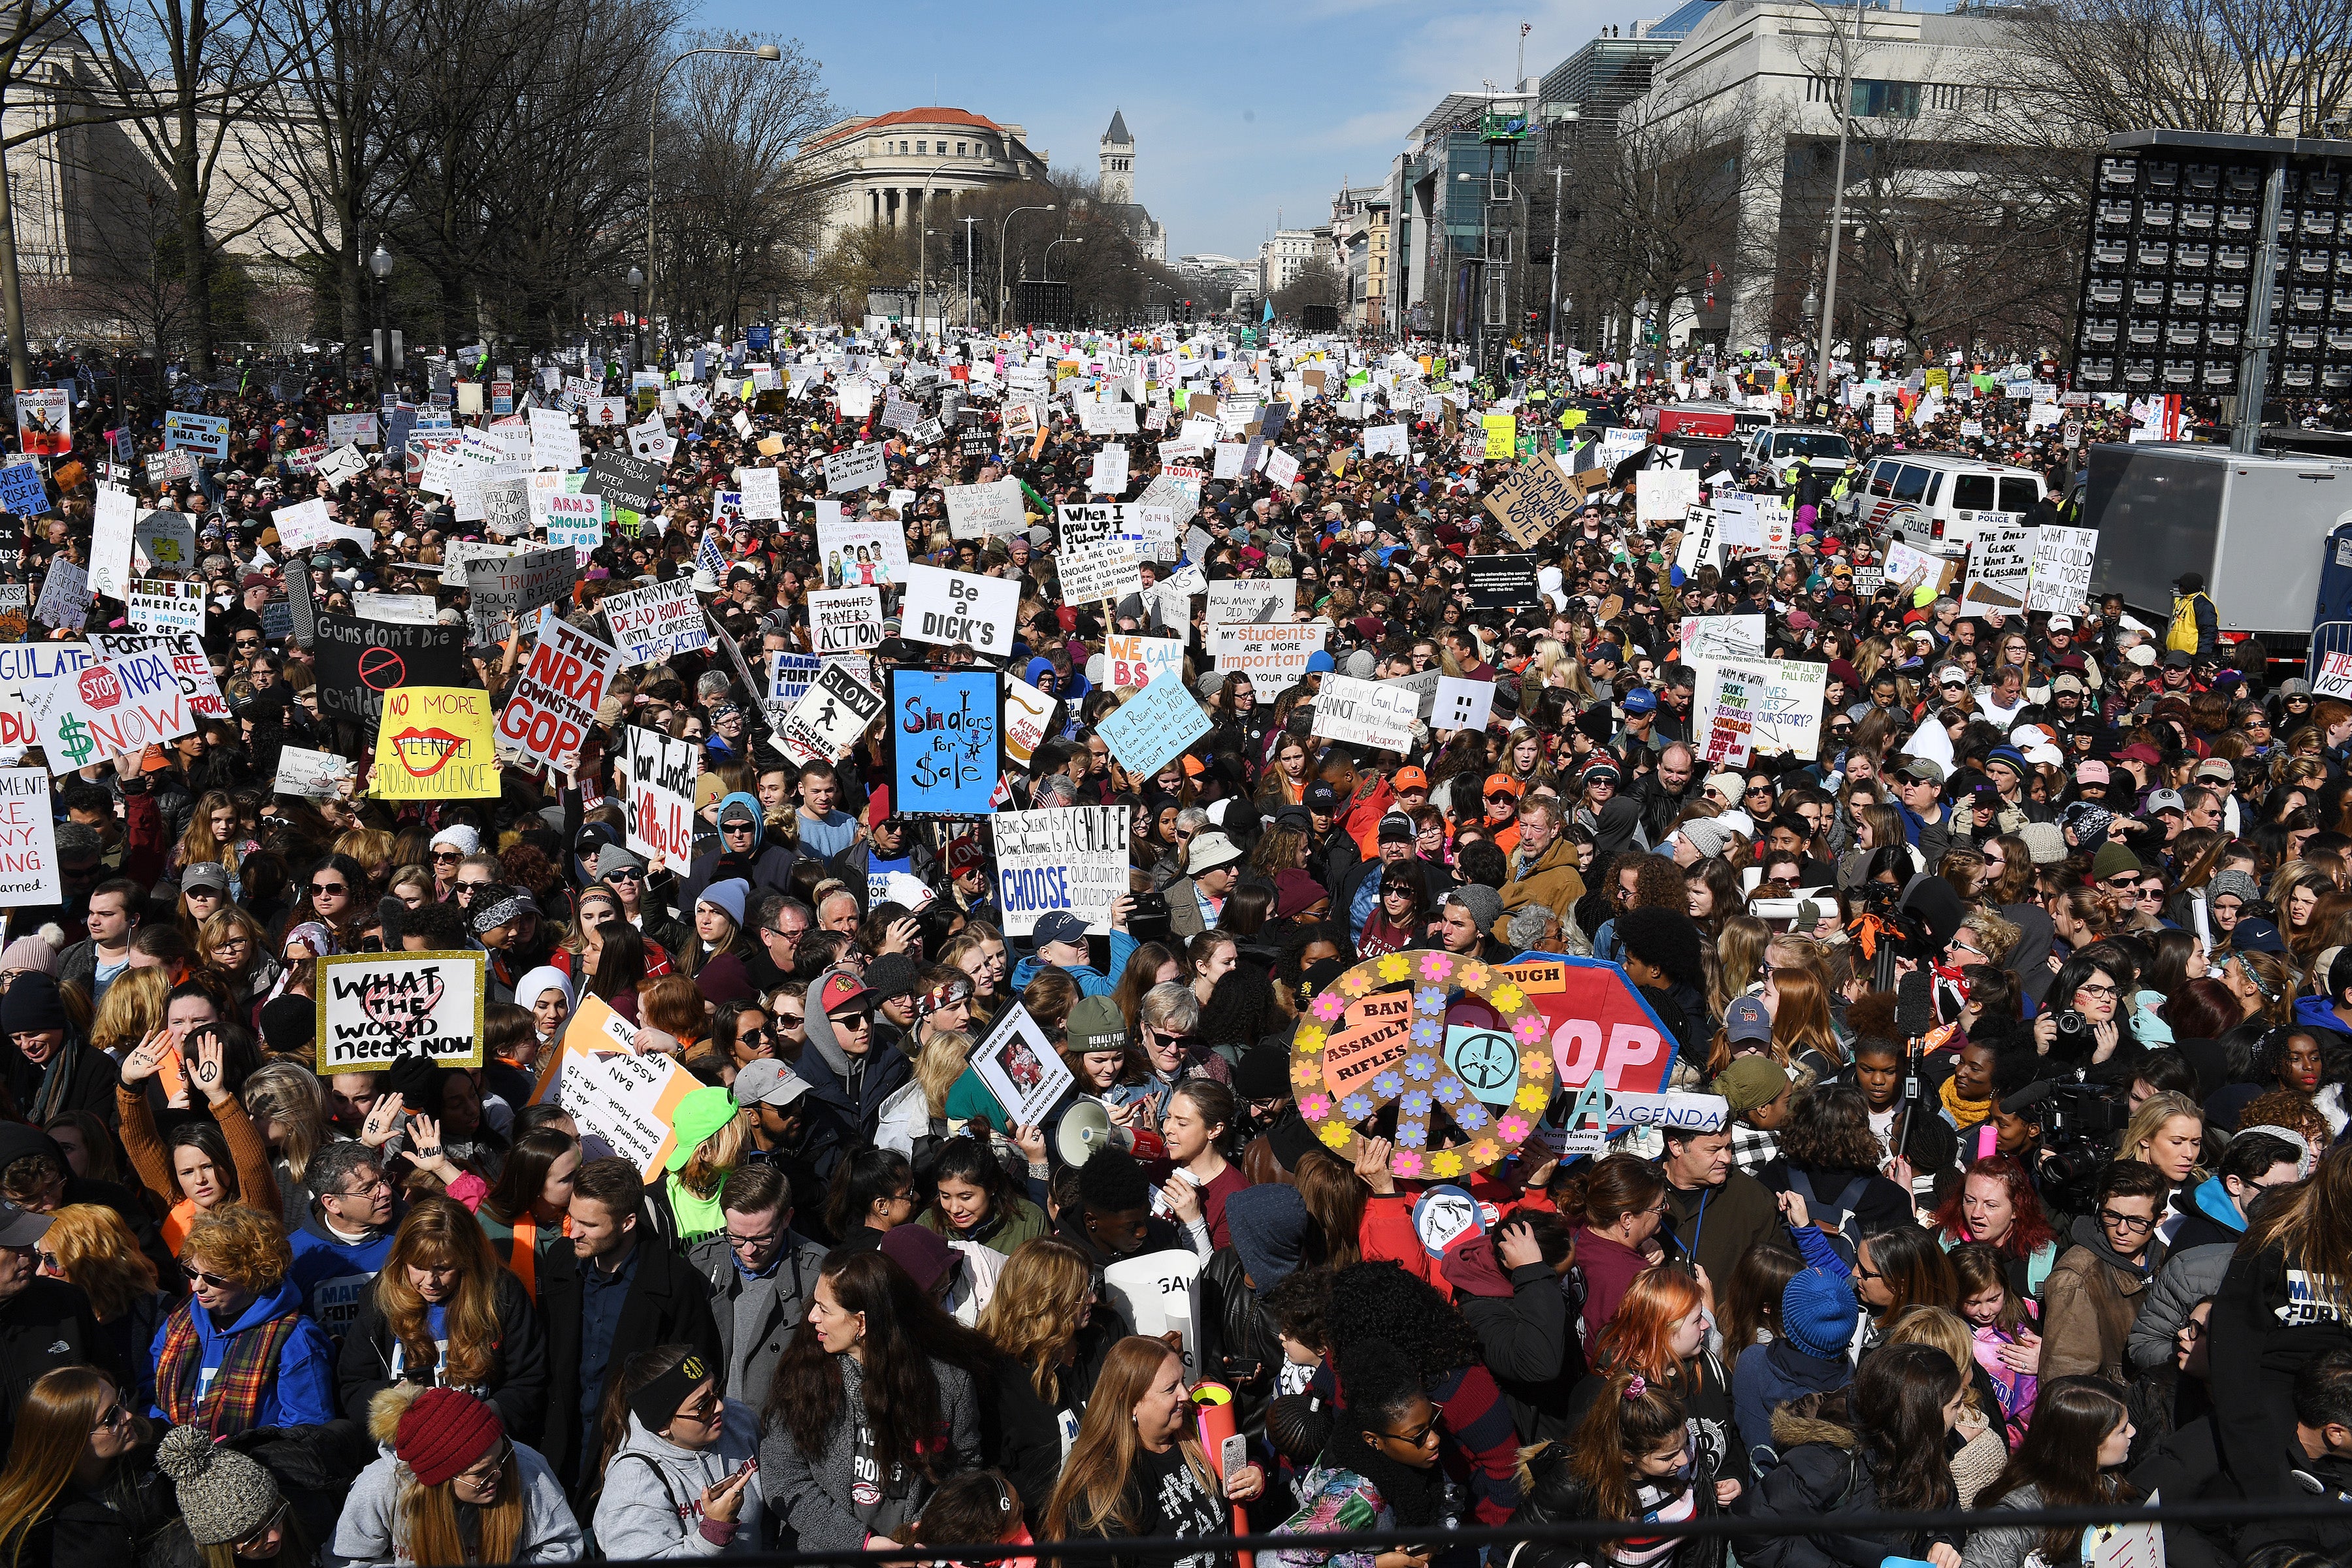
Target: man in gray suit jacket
[763,1273]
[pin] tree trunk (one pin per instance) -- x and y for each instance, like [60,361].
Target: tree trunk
[12,289]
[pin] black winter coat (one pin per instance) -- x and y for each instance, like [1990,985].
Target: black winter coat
[517,1389]
[668,1303]
[1823,1474]
[1241,1346]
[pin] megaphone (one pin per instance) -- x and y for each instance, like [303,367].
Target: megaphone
[1087,1127]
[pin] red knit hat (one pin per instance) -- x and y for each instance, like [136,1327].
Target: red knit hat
[442,1432]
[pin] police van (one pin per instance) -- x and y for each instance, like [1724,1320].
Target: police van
[1811,445]
[1938,501]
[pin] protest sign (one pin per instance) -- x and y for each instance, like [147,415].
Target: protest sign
[763,496]
[115,707]
[162,605]
[830,714]
[1272,656]
[376,1008]
[65,597]
[28,841]
[844,620]
[2061,579]
[627,482]
[855,467]
[653,623]
[957,609]
[1105,571]
[661,773]
[1021,1067]
[1460,704]
[982,512]
[359,661]
[790,675]
[1071,858]
[554,443]
[860,552]
[44,422]
[1532,500]
[203,433]
[1785,717]
[1723,712]
[553,704]
[167,541]
[503,592]
[1501,582]
[1663,495]
[506,506]
[1722,636]
[1152,727]
[1132,661]
[351,430]
[1384,440]
[23,491]
[189,663]
[15,612]
[2001,561]
[575,522]
[303,525]
[944,730]
[1241,601]
[434,742]
[1365,713]
[22,665]
[1910,567]
[314,776]
[109,545]
[628,1100]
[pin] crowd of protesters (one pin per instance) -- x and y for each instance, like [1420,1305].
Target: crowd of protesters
[2028,1000]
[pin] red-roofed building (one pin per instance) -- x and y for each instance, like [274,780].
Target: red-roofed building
[880,168]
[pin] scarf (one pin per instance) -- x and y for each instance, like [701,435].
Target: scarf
[57,1081]
[1966,1114]
[248,1365]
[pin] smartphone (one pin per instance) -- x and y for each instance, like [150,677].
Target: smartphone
[1233,1456]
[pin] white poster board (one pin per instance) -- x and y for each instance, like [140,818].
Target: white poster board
[1070,857]
[1366,713]
[957,609]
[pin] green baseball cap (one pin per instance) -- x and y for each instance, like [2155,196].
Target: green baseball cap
[699,1114]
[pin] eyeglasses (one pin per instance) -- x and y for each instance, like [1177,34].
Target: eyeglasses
[2092,988]
[232,945]
[2190,1331]
[364,1190]
[2151,895]
[2131,1224]
[1418,1436]
[197,1276]
[479,1476]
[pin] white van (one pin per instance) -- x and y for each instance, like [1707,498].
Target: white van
[1939,500]
[1812,444]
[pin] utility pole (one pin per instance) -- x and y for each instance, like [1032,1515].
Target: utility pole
[1837,201]
[968,263]
[1551,298]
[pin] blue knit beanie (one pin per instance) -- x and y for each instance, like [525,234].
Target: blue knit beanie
[1817,1314]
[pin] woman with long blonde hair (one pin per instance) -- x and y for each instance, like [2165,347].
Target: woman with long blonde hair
[1137,1469]
[76,1489]
[452,1489]
[1803,1033]
[442,1311]
[288,1106]
[95,1250]
[132,1009]
[1042,1309]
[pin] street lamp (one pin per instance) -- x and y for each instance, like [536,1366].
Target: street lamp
[1048,262]
[1642,308]
[1003,299]
[380,265]
[767,53]
[637,313]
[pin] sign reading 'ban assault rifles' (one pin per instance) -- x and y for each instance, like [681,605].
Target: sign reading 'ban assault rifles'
[376,1008]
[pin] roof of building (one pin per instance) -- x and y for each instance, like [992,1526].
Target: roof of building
[1117,132]
[932,116]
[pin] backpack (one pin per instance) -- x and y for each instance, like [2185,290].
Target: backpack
[2182,633]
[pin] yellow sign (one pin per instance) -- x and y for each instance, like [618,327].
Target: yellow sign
[1502,435]
[434,743]
[1573,418]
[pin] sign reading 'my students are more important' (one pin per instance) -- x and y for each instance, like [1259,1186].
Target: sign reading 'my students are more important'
[1073,858]
[375,1008]
[28,841]
[434,743]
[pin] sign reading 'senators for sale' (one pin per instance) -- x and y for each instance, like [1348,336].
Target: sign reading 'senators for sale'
[376,1008]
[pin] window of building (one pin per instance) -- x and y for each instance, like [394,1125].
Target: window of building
[1894,100]
[959,149]
[922,149]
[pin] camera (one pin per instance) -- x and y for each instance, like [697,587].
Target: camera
[2080,1124]
[2073,1025]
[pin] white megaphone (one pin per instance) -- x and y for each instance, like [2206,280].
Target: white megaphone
[1085,1128]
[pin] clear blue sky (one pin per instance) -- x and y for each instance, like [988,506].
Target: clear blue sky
[1239,111]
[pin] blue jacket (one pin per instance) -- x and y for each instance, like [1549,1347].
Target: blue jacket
[303,1393]
[1091,981]
[335,1276]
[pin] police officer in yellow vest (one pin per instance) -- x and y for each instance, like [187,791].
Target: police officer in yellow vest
[2195,627]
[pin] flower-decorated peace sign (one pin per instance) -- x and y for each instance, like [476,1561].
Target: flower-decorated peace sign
[1453,1043]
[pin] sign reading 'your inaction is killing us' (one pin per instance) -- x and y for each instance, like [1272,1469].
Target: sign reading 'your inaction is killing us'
[375,1008]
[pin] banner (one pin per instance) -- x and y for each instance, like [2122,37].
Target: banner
[1458,704]
[162,605]
[661,773]
[375,1007]
[830,716]
[844,620]
[554,701]
[28,841]
[2061,577]
[1366,713]
[653,623]
[434,742]
[1152,726]
[944,730]
[1071,858]
[1028,719]
[957,609]
[189,663]
[359,661]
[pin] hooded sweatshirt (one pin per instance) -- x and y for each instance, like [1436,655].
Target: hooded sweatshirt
[334,1273]
[846,1092]
[303,1394]
[1522,1326]
[652,1501]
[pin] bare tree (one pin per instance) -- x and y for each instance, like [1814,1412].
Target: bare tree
[1316,282]
[2086,68]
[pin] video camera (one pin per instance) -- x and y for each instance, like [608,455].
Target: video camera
[2080,1124]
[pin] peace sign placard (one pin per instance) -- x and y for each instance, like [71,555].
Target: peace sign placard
[1455,1045]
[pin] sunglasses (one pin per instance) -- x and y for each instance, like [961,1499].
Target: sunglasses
[329,887]
[197,1276]
[857,1020]
[631,875]
[446,854]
